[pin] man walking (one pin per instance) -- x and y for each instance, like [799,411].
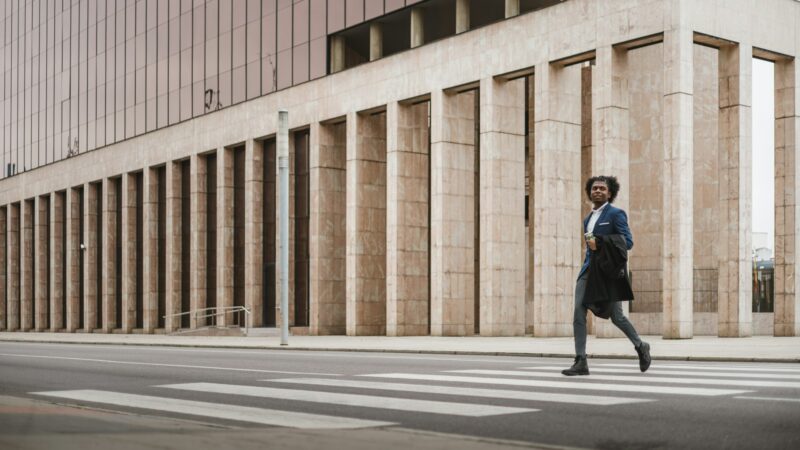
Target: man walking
[604,220]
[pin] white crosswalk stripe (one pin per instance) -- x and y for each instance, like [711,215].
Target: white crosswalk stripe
[216,410]
[581,384]
[695,373]
[710,367]
[639,378]
[400,404]
[555,397]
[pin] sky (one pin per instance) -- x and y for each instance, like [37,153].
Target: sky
[764,149]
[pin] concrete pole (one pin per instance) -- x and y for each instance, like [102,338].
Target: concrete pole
[283,173]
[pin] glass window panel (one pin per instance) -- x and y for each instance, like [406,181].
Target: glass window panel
[141,114]
[253,10]
[225,16]
[211,58]
[186,6]
[141,51]
[284,29]
[300,63]
[268,35]
[212,19]
[372,9]
[141,17]
[253,41]
[174,38]
[150,81]
[355,12]
[141,83]
[152,14]
[317,24]
[253,79]
[162,111]
[174,8]
[239,13]
[198,63]
[300,19]
[163,41]
[239,85]
[239,46]
[269,74]
[186,67]
[268,7]
[198,107]
[225,89]
[101,36]
[284,69]
[198,25]
[186,103]
[152,46]
[163,11]
[174,107]
[335,15]
[186,31]
[174,72]
[225,52]
[100,12]
[151,114]
[163,77]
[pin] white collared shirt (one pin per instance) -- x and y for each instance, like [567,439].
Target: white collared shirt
[595,216]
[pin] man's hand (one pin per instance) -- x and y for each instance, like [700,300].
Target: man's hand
[592,244]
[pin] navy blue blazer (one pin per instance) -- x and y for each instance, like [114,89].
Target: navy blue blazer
[612,221]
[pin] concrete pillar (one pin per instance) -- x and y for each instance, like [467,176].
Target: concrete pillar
[224,233]
[73,261]
[512,8]
[327,164]
[375,41]
[3,267]
[12,243]
[26,305]
[150,250]
[557,238]
[41,319]
[57,242]
[462,16]
[417,27]
[736,187]
[407,221]
[787,212]
[452,254]
[337,53]
[502,210]
[366,224]
[110,241]
[254,231]
[678,178]
[90,253]
[610,139]
[198,207]
[128,238]
[173,244]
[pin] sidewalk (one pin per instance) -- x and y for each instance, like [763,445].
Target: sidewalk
[701,348]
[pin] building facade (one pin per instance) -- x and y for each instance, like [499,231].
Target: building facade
[437,151]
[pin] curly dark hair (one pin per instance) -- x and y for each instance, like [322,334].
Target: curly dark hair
[609,180]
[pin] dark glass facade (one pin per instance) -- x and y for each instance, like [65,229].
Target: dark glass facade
[76,75]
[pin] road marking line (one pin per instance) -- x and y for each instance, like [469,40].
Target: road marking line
[216,410]
[367,401]
[182,366]
[635,369]
[643,378]
[596,400]
[773,399]
[714,367]
[577,384]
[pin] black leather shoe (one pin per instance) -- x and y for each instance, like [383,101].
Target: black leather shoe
[644,356]
[581,367]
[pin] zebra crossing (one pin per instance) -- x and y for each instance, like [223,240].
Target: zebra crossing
[468,393]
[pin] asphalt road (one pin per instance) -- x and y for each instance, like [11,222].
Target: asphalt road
[75,396]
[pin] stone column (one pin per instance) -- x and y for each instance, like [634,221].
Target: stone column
[41,319]
[366,224]
[254,231]
[678,195]
[337,53]
[736,187]
[3,267]
[327,161]
[90,253]
[57,210]
[150,250]
[198,207]
[12,243]
[110,239]
[73,261]
[787,213]
[128,238]
[407,226]
[512,8]
[452,254]
[225,233]
[610,145]
[502,210]
[26,305]
[462,16]
[557,237]
[417,27]
[375,41]
[173,244]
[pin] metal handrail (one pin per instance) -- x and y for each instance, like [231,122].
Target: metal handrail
[215,311]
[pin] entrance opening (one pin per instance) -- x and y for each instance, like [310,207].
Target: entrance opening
[139,181]
[268,242]
[763,194]
[301,228]
[238,232]
[186,240]
[211,234]
[161,178]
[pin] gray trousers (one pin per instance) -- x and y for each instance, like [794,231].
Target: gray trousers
[579,319]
